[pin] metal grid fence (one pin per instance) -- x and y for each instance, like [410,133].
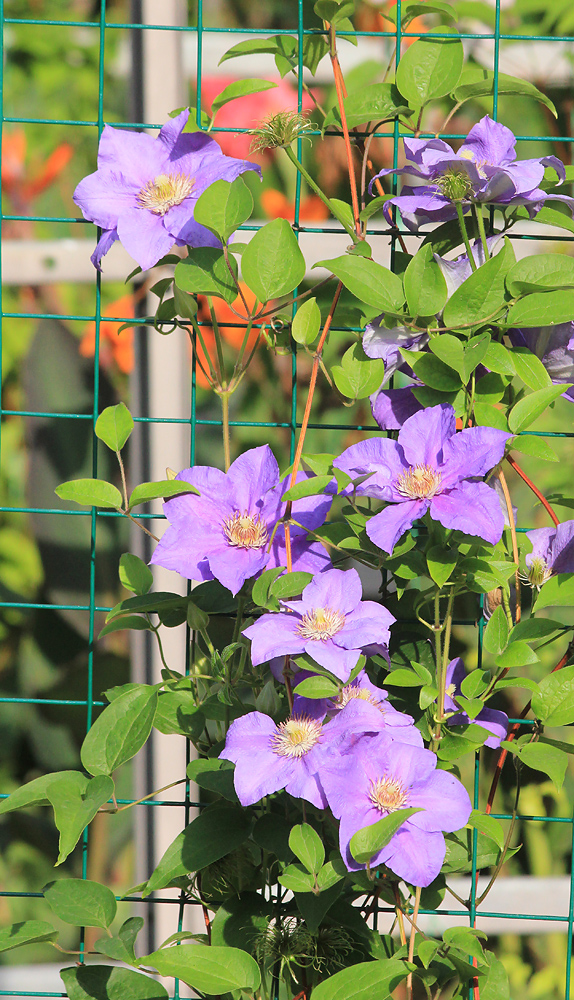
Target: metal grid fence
[196,422]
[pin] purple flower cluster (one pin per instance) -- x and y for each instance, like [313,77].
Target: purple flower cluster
[361,766]
[330,623]
[483,171]
[430,468]
[145,189]
[231,531]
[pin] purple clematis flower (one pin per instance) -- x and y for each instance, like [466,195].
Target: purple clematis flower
[330,623]
[483,171]
[433,468]
[554,345]
[552,552]
[144,190]
[489,718]
[397,724]
[227,533]
[378,777]
[269,757]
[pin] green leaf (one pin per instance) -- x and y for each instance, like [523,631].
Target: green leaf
[487,825]
[290,585]
[212,970]
[474,354]
[317,687]
[134,574]
[435,373]
[251,46]
[486,415]
[82,902]
[551,217]
[546,758]
[240,920]
[499,359]
[205,272]
[441,562]
[496,985]
[518,654]
[36,792]
[90,493]
[368,281]
[375,102]
[365,981]
[120,731]
[108,982]
[260,594]
[184,303]
[215,776]
[425,285]
[542,309]
[196,617]
[528,409]
[505,85]
[554,702]
[307,845]
[73,810]
[152,603]
[495,636]
[26,932]
[223,207]
[334,11]
[297,879]
[448,349]
[368,841]
[239,88]
[121,947]
[114,426]
[536,447]
[331,873]
[212,835]
[164,489]
[481,296]
[557,592]
[429,69]
[272,263]
[307,322]
[358,375]
[544,270]
[177,713]
[535,628]
[308,488]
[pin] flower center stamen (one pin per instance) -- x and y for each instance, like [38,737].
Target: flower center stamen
[351,691]
[245,531]
[296,736]
[455,185]
[419,482]
[321,624]
[539,572]
[165,191]
[387,795]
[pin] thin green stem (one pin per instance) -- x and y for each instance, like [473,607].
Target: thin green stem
[477,212]
[123,475]
[464,234]
[212,377]
[225,427]
[243,347]
[138,802]
[217,338]
[315,187]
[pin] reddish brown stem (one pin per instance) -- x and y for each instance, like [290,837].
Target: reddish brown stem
[342,93]
[305,421]
[514,465]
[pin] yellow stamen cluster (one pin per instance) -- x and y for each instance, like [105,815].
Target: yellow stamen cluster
[296,736]
[354,691]
[245,531]
[419,482]
[539,572]
[387,794]
[321,624]
[455,185]
[165,191]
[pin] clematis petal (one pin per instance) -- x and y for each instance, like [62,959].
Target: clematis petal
[414,855]
[369,622]
[489,142]
[232,566]
[339,662]
[380,457]
[274,635]
[472,452]
[385,528]
[340,590]
[424,435]
[542,545]
[144,236]
[136,155]
[185,560]
[470,507]
[105,196]
[252,475]
[563,548]
[106,240]
[391,407]
[445,802]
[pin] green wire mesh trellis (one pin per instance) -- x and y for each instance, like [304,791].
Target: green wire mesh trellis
[195,422]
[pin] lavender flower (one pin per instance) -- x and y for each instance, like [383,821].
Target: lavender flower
[433,468]
[269,757]
[489,718]
[554,345]
[330,623]
[144,190]
[552,552]
[378,777]
[228,532]
[398,725]
[483,171]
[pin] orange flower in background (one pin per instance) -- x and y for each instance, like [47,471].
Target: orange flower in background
[18,185]
[370,19]
[277,206]
[115,348]
[232,335]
